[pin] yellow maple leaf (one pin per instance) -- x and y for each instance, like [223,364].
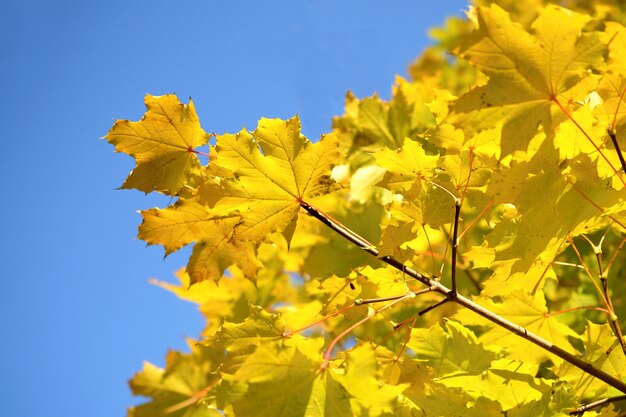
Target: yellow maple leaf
[527,310]
[163,143]
[528,72]
[406,165]
[253,188]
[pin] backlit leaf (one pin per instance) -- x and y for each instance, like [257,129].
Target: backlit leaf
[162,142]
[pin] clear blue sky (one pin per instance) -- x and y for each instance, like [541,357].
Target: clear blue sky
[77,314]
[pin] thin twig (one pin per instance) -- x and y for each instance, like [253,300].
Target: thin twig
[341,310]
[364,244]
[469,304]
[582,409]
[605,287]
[361,301]
[455,243]
[617,149]
[354,326]
[619,102]
[613,134]
[589,274]
[472,279]
[480,215]
[619,248]
[434,306]
[612,318]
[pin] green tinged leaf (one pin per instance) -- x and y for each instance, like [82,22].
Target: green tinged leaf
[179,389]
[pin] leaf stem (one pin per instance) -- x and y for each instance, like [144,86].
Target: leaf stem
[355,325]
[569,116]
[595,205]
[567,310]
[361,301]
[193,399]
[190,149]
[341,310]
[467,303]
[480,215]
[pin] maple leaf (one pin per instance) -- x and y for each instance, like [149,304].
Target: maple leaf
[406,166]
[519,165]
[252,188]
[332,254]
[162,143]
[509,382]
[450,349]
[527,310]
[280,380]
[527,71]
[602,349]
[259,327]
[358,378]
[180,388]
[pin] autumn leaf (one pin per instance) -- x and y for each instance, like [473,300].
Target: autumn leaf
[527,310]
[512,147]
[252,188]
[406,166]
[527,71]
[602,349]
[450,349]
[163,144]
[180,388]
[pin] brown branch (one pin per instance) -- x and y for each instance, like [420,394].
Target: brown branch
[617,149]
[582,409]
[432,307]
[455,243]
[467,303]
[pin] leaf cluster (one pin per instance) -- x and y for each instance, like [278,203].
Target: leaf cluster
[497,171]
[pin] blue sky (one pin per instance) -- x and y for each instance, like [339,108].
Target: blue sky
[77,314]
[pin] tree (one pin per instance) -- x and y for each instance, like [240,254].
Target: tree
[456,250]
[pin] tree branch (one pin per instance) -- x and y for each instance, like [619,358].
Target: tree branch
[617,149]
[455,243]
[605,287]
[465,302]
[582,409]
